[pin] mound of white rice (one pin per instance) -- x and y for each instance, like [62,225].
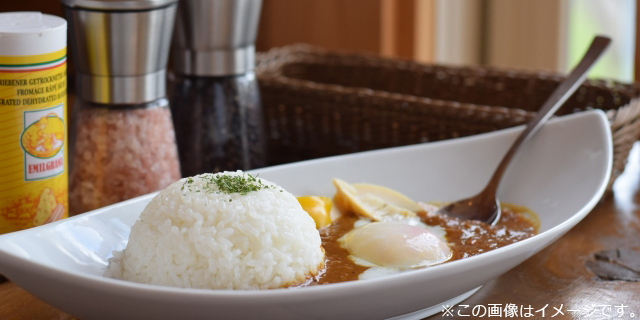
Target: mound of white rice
[192,235]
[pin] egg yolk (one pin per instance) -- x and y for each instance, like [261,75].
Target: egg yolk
[396,245]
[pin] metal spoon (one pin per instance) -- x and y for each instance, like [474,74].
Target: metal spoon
[485,206]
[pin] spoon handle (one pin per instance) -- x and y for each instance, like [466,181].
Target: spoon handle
[557,98]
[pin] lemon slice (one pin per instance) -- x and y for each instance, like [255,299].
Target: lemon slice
[318,208]
[373,202]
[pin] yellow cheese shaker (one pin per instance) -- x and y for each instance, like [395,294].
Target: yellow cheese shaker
[33,120]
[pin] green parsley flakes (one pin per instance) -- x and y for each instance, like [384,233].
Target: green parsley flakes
[229,184]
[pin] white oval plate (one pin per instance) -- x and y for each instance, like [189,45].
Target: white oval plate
[560,174]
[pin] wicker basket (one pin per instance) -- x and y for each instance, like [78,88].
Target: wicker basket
[319,103]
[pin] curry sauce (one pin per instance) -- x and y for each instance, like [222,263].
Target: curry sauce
[465,237]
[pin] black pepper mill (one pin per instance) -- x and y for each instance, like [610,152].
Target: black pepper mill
[215,99]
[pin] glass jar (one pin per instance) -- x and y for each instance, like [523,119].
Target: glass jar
[121,152]
[218,123]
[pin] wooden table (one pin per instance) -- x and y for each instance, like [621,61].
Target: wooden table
[556,277]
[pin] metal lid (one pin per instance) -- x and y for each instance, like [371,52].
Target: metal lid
[215,37]
[118,5]
[119,52]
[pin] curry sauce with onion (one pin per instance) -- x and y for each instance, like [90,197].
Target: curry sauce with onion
[465,237]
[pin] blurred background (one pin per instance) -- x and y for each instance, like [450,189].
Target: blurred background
[530,34]
[525,34]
